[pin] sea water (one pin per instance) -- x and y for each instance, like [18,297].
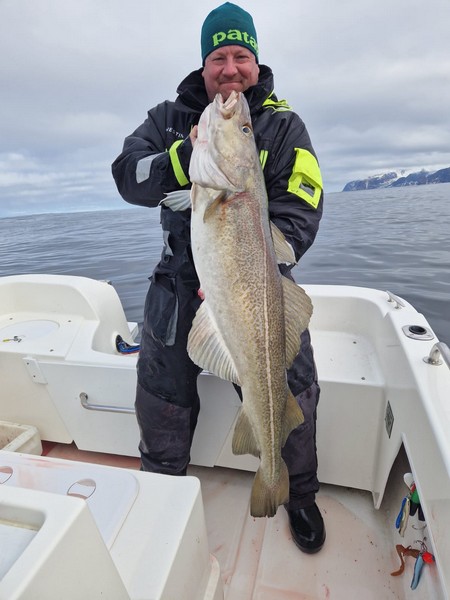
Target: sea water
[391,239]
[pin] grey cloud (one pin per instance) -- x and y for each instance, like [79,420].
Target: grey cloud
[369,79]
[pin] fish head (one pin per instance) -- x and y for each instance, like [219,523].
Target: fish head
[224,154]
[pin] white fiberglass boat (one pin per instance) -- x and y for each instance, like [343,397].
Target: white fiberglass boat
[81,520]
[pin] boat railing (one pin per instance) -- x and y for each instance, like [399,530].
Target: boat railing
[438,351]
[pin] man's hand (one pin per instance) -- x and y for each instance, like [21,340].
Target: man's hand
[194,134]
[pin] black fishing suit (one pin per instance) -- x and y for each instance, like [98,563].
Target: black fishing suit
[155,162]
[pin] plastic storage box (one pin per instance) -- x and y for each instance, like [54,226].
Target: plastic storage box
[19,438]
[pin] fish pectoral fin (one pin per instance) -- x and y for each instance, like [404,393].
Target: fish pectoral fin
[265,497]
[297,314]
[283,250]
[221,197]
[293,417]
[194,194]
[177,200]
[207,349]
[244,441]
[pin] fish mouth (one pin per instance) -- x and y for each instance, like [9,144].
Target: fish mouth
[227,108]
[209,152]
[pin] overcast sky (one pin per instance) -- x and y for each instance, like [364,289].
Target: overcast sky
[371,80]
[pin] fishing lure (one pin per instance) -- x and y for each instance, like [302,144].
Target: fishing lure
[410,505]
[402,518]
[424,557]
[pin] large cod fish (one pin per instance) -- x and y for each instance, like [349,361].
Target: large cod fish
[248,328]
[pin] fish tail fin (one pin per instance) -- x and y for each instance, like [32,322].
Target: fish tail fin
[293,417]
[266,497]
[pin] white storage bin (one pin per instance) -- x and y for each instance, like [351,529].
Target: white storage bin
[19,438]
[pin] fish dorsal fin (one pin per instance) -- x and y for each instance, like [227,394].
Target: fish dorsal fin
[283,250]
[297,313]
[207,348]
[244,441]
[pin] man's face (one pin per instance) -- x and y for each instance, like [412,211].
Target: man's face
[229,68]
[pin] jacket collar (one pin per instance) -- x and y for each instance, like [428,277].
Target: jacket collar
[192,93]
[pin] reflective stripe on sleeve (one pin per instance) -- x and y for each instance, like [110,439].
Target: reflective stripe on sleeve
[263,157]
[306,179]
[176,165]
[143,168]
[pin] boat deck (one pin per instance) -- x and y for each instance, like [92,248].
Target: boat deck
[257,557]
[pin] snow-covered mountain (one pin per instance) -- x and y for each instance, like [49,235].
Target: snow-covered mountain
[399,179]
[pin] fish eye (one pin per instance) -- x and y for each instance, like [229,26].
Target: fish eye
[246,129]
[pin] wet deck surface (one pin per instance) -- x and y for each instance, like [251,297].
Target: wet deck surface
[258,558]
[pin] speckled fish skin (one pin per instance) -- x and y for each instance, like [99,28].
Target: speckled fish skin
[248,328]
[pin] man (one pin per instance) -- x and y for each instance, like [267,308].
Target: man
[153,170]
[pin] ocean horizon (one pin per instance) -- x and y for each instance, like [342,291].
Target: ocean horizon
[392,239]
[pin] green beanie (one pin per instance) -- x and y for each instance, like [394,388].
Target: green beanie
[228,25]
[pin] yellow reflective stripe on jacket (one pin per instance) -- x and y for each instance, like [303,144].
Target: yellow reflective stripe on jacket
[276,105]
[176,165]
[263,157]
[306,180]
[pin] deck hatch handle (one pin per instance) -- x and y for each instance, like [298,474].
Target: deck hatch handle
[103,407]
